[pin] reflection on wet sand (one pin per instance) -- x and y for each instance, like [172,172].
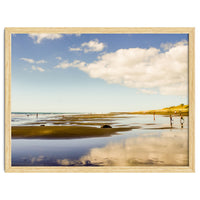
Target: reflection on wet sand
[133,141]
[171,149]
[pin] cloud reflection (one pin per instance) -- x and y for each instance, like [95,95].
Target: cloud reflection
[171,149]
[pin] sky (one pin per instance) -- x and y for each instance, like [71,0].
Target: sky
[98,72]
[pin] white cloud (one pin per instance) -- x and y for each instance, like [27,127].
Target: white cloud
[75,49]
[41,61]
[65,64]
[58,58]
[148,70]
[145,68]
[93,45]
[40,69]
[168,45]
[37,38]
[33,61]
[33,67]
[37,68]
[29,60]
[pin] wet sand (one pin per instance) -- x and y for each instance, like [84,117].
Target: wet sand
[169,147]
[68,132]
[76,126]
[169,150]
[73,126]
[85,119]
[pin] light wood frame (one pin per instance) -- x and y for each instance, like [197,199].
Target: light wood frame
[185,30]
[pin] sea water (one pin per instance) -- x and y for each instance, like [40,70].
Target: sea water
[25,118]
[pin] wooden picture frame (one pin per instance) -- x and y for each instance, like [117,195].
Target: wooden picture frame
[189,31]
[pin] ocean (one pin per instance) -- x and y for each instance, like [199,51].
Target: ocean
[25,118]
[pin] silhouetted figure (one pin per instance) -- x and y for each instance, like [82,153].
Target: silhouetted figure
[171,120]
[36,115]
[154,117]
[181,120]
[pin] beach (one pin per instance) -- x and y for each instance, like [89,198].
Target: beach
[80,140]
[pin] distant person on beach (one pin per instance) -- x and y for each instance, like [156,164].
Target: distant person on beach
[36,115]
[154,118]
[181,120]
[171,120]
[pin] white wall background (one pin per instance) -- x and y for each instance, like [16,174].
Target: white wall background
[99,13]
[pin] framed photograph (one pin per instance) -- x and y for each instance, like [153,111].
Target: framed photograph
[99,100]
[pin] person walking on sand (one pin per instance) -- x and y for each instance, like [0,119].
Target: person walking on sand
[181,120]
[171,120]
[154,118]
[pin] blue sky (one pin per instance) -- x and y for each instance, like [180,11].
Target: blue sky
[98,72]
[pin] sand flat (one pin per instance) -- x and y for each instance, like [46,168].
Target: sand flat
[59,132]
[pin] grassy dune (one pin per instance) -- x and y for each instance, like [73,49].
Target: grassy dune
[174,110]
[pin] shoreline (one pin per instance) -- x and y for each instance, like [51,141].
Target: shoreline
[76,126]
